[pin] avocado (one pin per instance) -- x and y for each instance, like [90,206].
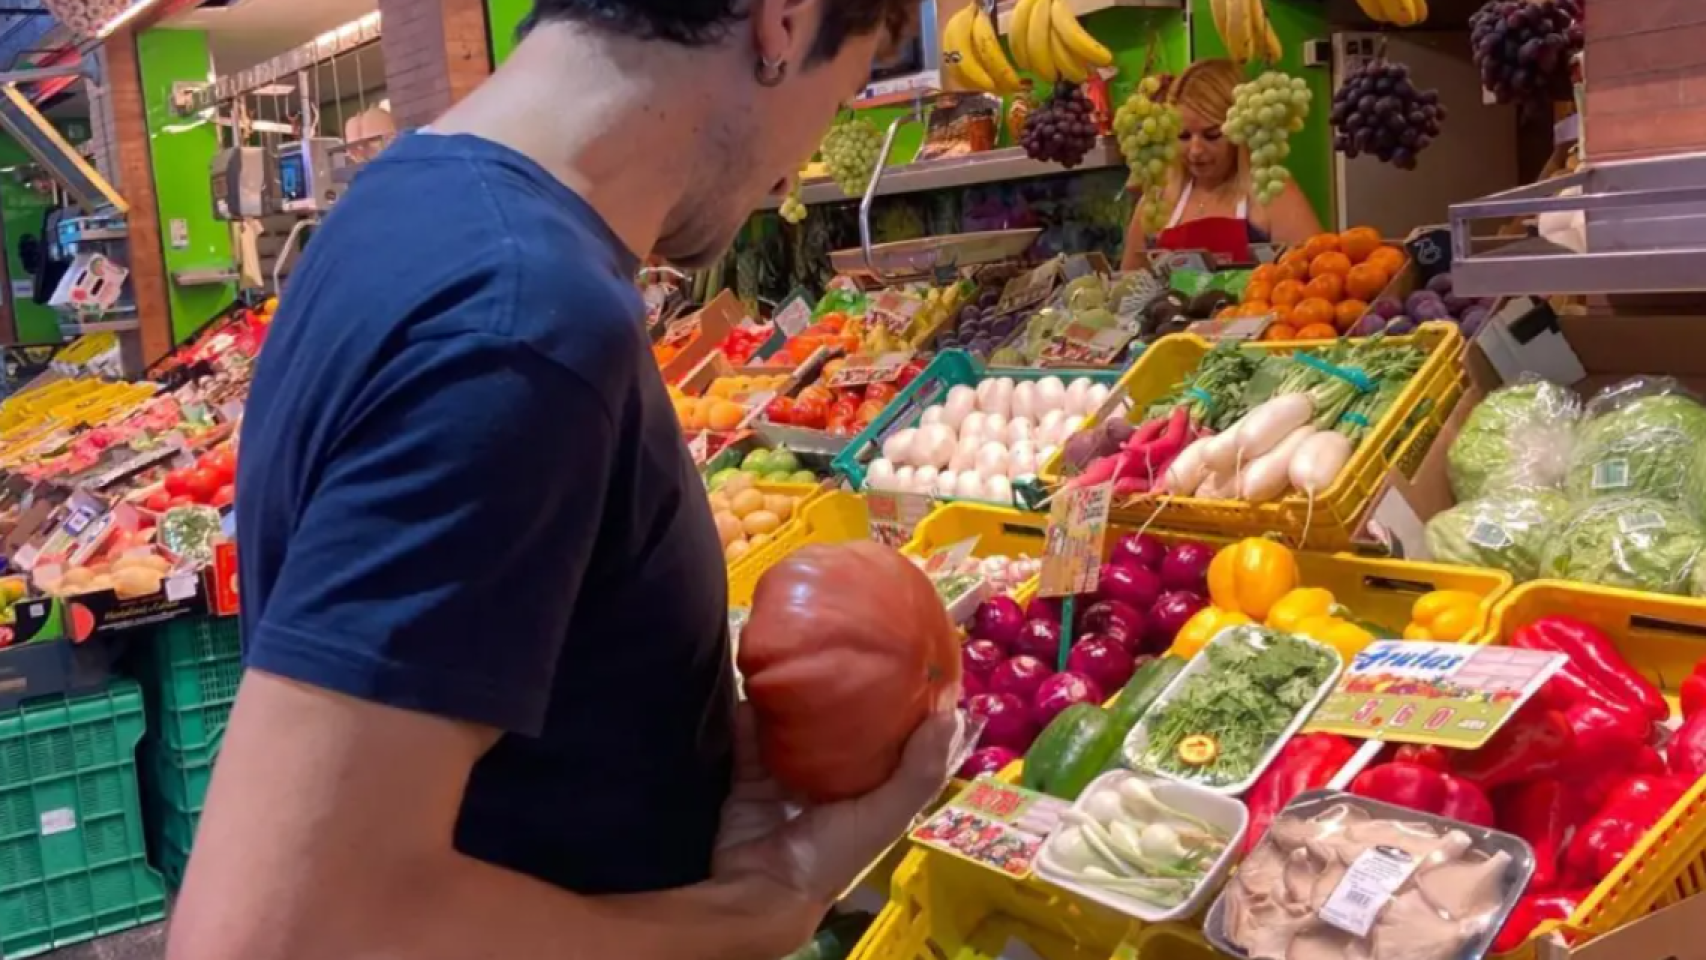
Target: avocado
[1206,304]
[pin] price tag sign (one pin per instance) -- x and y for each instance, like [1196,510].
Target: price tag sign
[994,825]
[681,331]
[1195,260]
[894,516]
[1235,329]
[1430,251]
[794,315]
[1081,344]
[1072,548]
[1030,289]
[894,309]
[1444,694]
[700,447]
[863,369]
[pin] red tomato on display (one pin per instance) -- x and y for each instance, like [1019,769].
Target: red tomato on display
[780,410]
[178,483]
[818,392]
[868,411]
[158,501]
[908,374]
[202,484]
[222,463]
[810,413]
[180,502]
[223,497]
[880,392]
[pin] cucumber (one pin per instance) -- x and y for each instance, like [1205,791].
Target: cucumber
[1071,752]
[1142,689]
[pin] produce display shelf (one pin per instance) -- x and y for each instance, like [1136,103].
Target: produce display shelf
[1000,530]
[806,492]
[1660,637]
[1399,440]
[989,166]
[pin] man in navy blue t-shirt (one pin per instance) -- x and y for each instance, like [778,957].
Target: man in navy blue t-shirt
[489,710]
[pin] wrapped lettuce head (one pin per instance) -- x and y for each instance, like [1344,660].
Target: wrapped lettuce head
[1643,448]
[1519,436]
[1505,531]
[1633,542]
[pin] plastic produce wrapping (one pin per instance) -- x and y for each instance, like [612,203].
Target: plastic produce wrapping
[1520,435]
[1507,531]
[1634,542]
[1639,439]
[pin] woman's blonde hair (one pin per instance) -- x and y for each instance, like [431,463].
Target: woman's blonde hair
[1206,87]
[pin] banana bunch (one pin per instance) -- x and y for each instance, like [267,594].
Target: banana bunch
[972,52]
[1048,41]
[1244,28]
[1400,13]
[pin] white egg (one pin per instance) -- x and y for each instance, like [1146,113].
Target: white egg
[998,490]
[964,459]
[924,480]
[1045,453]
[995,396]
[903,480]
[992,458]
[898,448]
[934,446]
[969,485]
[1048,428]
[1051,394]
[1019,428]
[962,400]
[945,483]
[1021,459]
[1075,395]
[1024,400]
[971,426]
[1094,398]
[931,415]
[994,427]
[880,474]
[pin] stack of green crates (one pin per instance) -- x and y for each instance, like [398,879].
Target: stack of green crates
[73,861]
[190,672]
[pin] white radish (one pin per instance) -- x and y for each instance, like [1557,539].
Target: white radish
[1267,477]
[1263,428]
[1218,454]
[1187,470]
[1318,462]
[1218,486]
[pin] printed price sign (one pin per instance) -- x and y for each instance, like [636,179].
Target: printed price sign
[993,825]
[1444,694]
[1238,328]
[794,315]
[1081,344]
[1430,251]
[894,309]
[1196,260]
[681,331]
[1072,550]
[700,447]
[895,515]
[863,370]
[1030,289]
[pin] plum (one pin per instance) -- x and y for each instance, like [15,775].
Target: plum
[1398,326]
[1473,319]
[1413,304]
[1386,308]
[1441,284]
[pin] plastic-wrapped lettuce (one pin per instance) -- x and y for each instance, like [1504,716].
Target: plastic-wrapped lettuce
[1634,542]
[1519,436]
[1505,531]
[1642,447]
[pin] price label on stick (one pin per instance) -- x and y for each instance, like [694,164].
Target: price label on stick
[894,516]
[864,370]
[994,825]
[1072,550]
[794,316]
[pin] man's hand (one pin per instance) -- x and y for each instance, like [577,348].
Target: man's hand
[801,859]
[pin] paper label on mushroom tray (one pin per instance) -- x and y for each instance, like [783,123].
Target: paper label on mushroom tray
[1374,876]
[994,825]
[1446,694]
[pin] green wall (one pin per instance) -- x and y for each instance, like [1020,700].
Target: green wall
[181,161]
[23,209]
[502,17]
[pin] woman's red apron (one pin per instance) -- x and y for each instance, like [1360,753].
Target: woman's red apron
[1226,237]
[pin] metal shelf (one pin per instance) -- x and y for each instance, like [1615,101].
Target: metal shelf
[1082,8]
[1644,226]
[73,330]
[205,277]
[991,166]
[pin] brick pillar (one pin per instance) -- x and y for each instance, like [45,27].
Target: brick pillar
[435,53]
[129,156]
[1646,78]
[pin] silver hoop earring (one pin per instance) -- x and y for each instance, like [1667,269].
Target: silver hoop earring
[770,72]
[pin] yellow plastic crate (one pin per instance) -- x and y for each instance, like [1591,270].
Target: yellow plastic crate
[1400,439]
[834,517]
[806,492]
[1168,941]
[1659,636]
[941,907]
[1000,531]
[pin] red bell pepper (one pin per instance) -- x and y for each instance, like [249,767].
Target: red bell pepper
[1425,789]
[1533,910]
[1693,693]
[1543,812]
[1425,755]
[1605,736]
[1594,785]
[1687,749]
[1635,806]
[1307,762]
[1534,743]
[1594,655]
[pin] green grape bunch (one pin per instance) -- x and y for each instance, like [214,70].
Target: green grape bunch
[850,152]
[1265,113]
[1148,132]
[793,209]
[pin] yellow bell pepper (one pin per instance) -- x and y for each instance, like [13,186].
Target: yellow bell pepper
[1251,576]
[1342,635]
[1200,629]
[1446,615]
[1299,604]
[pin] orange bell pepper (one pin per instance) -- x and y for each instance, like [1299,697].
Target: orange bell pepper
[1200,629]
[1251,576]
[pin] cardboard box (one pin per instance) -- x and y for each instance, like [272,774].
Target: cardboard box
[714,323]
[1667,934]
[89,615]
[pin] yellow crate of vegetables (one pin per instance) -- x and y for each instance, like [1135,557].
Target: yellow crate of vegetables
[750,515]
[1272,438]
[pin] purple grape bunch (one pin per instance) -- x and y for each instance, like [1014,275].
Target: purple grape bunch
[1524,48]
[980,329]
[1380,113]
[1062,129]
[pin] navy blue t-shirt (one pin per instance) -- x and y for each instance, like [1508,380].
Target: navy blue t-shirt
[465,493]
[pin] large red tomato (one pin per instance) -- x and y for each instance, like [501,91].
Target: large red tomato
[202,484]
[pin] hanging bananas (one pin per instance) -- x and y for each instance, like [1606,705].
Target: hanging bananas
[1399,13]
[1055,45]
[972,54]
[1244,28]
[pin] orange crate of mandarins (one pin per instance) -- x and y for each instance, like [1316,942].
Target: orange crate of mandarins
[1323,288]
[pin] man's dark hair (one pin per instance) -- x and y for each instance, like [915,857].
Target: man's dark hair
[696,23]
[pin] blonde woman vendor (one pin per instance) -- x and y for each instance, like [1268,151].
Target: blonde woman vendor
[1209,193]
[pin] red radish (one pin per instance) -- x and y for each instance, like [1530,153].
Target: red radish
[1134,586]
[1020,676]
[1059,692]
[999,619]
[986,760]
[158,501]
[1168,616]
[1138,550]
[1040,639]
[1186,566]
[979,658]
[223,497]
[1102,660]
[1116,620]
[1006,720]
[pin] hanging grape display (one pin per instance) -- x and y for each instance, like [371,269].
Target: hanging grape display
[850,153]
[1148,131]
[1379,112]
[793,209]
[1062,129]
[1265,113]
[1524,48]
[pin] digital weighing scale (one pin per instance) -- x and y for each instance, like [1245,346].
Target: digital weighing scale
[245,183]
[305,175]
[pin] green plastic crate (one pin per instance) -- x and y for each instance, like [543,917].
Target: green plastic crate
[192,671]
[73,863]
